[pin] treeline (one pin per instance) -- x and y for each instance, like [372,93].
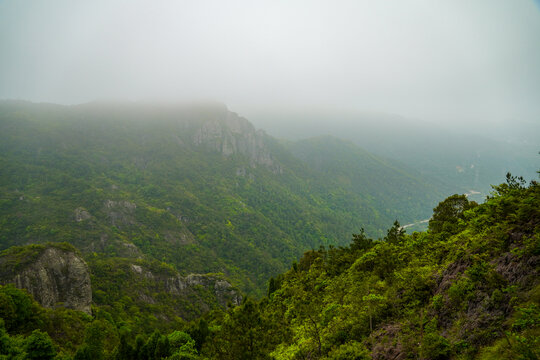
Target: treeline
[129,181]
[28,331]
[468,288]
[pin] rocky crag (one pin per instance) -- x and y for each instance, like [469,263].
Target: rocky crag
[55,275]
[189,286]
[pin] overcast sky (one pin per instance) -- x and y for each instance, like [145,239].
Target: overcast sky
[433,60]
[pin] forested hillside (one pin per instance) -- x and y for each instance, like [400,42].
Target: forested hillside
[458,157]
[389,184]
[194,186]
[468,288]
[269,180]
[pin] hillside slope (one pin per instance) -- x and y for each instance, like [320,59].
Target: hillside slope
[458,157]
[389,184]
[195,186]
[469,288]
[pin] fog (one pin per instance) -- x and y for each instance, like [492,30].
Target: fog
[448,62]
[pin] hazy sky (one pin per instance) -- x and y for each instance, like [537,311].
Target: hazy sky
[440,60]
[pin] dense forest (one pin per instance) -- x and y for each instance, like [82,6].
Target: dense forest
[196,187]
[269,180]
[467,288]
[471,156]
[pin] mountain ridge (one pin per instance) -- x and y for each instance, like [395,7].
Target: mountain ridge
[198,187]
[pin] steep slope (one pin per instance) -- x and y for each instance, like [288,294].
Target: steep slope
[195,186]
[457,158]
[397,190]
[155,293]
[54,274]
[468,288]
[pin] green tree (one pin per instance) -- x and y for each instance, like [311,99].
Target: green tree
[6,344]
[361,242]
[241,336]
[39,346]
[93,346]
[181,342]
[163,348]
[373,302]
[199,333]
[124,351]
[271,286]
[448,213]
[139,346]
[17,309]
[396,234]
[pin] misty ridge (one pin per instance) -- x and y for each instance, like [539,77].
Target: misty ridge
[194,180]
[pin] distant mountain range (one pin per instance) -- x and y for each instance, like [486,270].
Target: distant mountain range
[457,157]
[198,187]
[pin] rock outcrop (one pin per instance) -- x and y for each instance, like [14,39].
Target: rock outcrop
[222,292]
[231,134]
[120,213]
[55,275]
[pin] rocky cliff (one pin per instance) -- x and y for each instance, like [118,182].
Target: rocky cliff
[219,289]
[231,134]
[151,285]
[55,275]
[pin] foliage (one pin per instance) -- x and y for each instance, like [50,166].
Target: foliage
[471,292]
[39,346]
[129,193]
[447,215]
[131,181]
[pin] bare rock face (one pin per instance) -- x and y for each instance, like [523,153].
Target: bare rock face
[53,275]
[81,214]
[120,213]
[222,291]
[231,134]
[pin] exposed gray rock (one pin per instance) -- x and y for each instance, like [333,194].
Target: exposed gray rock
[182,237]
[129,250]
[120,212]
[54,277]
[231,134]
[81,214]
[223,291]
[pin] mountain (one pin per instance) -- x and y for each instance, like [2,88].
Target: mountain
[468,288]
[457,157]
[53,274]
[194,186]
[391,185]
[56,275]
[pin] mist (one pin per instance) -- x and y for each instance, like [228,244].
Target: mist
[455,62]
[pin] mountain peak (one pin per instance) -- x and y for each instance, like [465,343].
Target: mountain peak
[231,134]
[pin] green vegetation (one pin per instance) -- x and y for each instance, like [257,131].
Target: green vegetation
[386,183]
[195,187]
[468,288]
[152,293]
[17,257]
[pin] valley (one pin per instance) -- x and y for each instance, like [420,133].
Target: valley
[133,219]
[194,186]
